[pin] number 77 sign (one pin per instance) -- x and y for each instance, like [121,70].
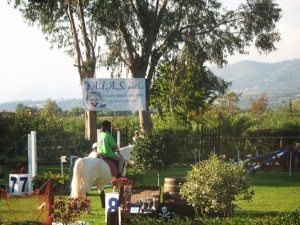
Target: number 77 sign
[18,184]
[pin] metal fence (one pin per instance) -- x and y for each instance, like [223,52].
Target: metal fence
[197,148]
[191,148]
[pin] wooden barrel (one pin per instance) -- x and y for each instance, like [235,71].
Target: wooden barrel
[172,185]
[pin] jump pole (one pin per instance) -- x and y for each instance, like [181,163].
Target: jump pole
[30,188]
[32,162]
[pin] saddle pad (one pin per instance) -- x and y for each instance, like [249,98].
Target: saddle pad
[112,165]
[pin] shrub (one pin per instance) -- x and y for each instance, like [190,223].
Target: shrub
[155,152]
[286,218]
[213,185]
[142,220]
[60,183]
[68,210]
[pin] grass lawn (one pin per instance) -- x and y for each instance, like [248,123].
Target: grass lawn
[275,192]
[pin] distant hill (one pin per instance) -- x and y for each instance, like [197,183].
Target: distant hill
[255,77]
[281,82]
[64,104]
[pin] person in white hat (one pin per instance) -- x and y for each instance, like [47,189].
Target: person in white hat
[136,135]
[94,152]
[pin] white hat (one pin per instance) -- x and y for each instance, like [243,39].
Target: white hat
[94,145]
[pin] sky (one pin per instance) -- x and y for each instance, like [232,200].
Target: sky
[31,70]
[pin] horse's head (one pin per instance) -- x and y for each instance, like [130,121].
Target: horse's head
[126,153]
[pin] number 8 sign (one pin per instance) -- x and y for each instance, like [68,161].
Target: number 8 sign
[18,184]
[111,203]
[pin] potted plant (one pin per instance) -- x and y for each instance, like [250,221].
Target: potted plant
[60,183]
[19,169]
[67,211]
[120,182]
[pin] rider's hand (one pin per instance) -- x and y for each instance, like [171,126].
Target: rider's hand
[117,149]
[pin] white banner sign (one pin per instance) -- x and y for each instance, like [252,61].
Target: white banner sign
[114,94]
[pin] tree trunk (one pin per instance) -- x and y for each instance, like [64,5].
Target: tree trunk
[91,125]
[145,120]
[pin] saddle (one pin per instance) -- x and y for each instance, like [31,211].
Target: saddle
[113,165]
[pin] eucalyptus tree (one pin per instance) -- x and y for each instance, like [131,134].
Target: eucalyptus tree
[142,33]
[139,34]
[67,24]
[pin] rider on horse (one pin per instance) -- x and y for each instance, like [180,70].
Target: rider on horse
[107,146]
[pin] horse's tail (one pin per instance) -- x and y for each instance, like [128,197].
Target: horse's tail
[77,176]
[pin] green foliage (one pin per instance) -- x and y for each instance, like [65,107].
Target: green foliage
[266,207]
[73,127]
[19,125]
[4,126]
[171,122]
[287,218]
[23,223]
[51,109]
[296,105]
[69,210]
[151,33]
[130,121]
[280,119]
[135,174]
[59,182]
[279,123]
[155,151]
[176,220]
[240,130]
[20,159]
[198,88]
[76,111]
[214,184]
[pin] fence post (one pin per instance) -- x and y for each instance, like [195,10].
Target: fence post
[119,138]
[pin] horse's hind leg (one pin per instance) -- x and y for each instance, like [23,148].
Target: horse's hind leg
[85,189]
[102,195]
[102,198]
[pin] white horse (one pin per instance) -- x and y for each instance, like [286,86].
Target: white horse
[89,171]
